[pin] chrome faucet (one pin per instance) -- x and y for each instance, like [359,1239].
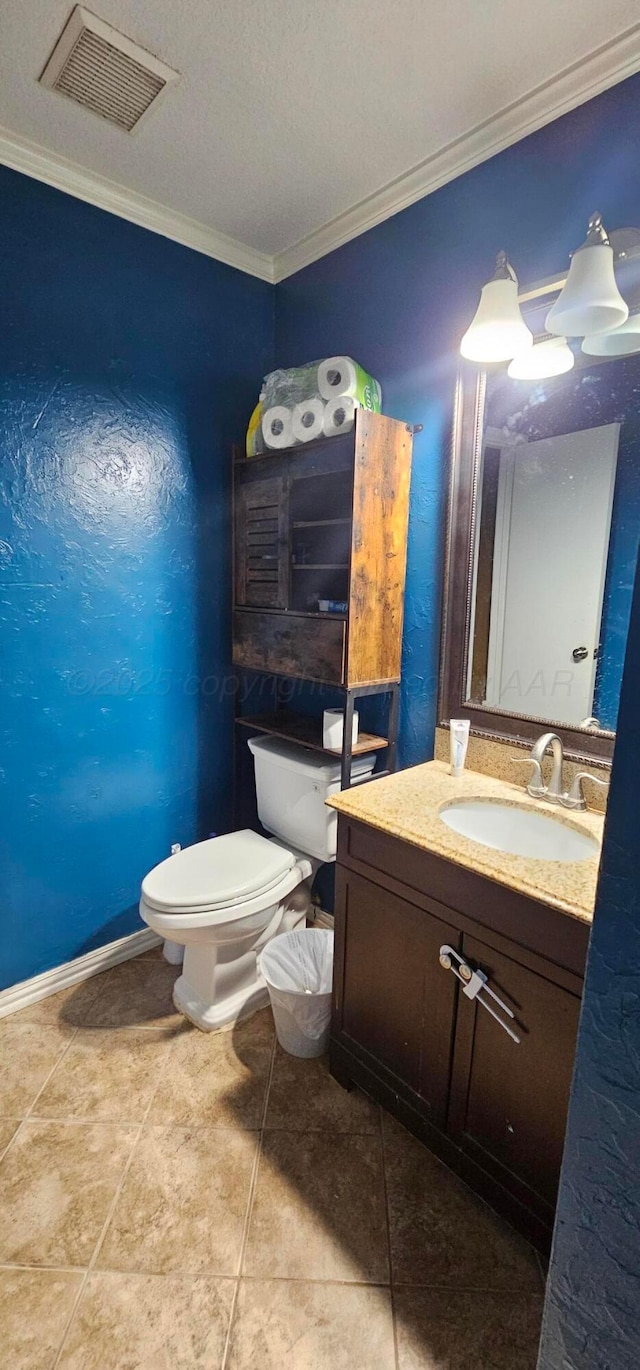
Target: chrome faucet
[536,787]
[553,792]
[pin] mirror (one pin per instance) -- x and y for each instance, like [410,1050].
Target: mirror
[542,548]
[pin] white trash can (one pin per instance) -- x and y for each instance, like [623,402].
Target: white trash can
[298,969]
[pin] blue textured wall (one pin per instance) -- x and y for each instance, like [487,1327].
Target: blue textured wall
[128,365]
[399,297]
[592,1313]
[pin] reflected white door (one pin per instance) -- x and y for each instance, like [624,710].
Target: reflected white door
[550,558]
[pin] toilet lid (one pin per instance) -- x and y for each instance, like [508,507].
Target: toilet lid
[222,870]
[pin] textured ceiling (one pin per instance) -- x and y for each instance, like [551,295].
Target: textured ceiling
[290,112]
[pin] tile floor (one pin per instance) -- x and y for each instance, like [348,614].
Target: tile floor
[177,1201]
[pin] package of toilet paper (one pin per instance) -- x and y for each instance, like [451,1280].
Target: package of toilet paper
[302,403]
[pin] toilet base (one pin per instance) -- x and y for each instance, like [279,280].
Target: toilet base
[220,982]
[224,1014]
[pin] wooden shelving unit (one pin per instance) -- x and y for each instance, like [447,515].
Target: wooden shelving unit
[307,731]
[324,522]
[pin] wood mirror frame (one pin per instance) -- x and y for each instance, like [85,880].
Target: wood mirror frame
[580,744]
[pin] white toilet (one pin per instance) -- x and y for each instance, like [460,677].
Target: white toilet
[225,898]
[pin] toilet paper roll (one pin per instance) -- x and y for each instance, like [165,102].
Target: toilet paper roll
[277,429]
[333,729]
[307,420]
[339,415]
[342,376]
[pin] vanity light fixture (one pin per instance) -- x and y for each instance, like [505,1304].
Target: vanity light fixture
[551,357]
[590,302]
[619,342]
[498,331]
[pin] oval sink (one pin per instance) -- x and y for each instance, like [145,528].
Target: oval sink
[522,832]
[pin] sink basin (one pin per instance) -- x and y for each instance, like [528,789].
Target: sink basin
[522,832]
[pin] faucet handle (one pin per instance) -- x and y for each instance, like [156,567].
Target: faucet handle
[536,786]
[575,798]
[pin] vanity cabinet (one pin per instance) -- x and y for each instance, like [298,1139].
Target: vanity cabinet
[508,1102]
[394,1003]
[493,1109]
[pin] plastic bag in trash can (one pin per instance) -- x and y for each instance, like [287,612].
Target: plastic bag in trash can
[298,969]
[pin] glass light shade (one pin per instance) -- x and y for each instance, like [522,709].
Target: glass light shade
[551,357]
[590,301]
[621,342]
[498,330]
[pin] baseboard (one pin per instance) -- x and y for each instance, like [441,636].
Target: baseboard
[61,977]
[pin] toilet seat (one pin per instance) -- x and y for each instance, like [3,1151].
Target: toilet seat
[218,874]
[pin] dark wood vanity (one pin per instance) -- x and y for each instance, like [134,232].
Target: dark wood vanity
[402,1029]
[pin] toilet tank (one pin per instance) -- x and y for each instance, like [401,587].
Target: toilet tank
[292,784]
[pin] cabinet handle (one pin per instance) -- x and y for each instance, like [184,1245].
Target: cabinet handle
[475,986]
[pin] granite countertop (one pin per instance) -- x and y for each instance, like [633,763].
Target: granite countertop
[407,805]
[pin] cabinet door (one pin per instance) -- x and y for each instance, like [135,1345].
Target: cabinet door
[390,997]
[509,1102]
[262,543]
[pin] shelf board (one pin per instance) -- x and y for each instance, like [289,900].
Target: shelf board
[319,523]
[307,731]
[320,566]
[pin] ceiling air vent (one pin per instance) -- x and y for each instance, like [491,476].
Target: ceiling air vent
[105,72]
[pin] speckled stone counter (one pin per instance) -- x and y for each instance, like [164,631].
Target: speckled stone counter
[407,805]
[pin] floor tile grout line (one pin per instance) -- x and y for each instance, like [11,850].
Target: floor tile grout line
[83,1120]
[394,1327]
[91,1265]
[87,1119]
[166,1056]
[252,1189]
[405,1285]
[98,1246]
[28,1117]
[50,1269]
[214,1275]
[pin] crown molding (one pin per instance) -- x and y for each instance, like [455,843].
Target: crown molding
[573,86]
[602,68]
[23,155]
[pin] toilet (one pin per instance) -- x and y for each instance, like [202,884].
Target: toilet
[225,898]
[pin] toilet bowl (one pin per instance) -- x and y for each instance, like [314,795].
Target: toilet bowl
[225,898]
